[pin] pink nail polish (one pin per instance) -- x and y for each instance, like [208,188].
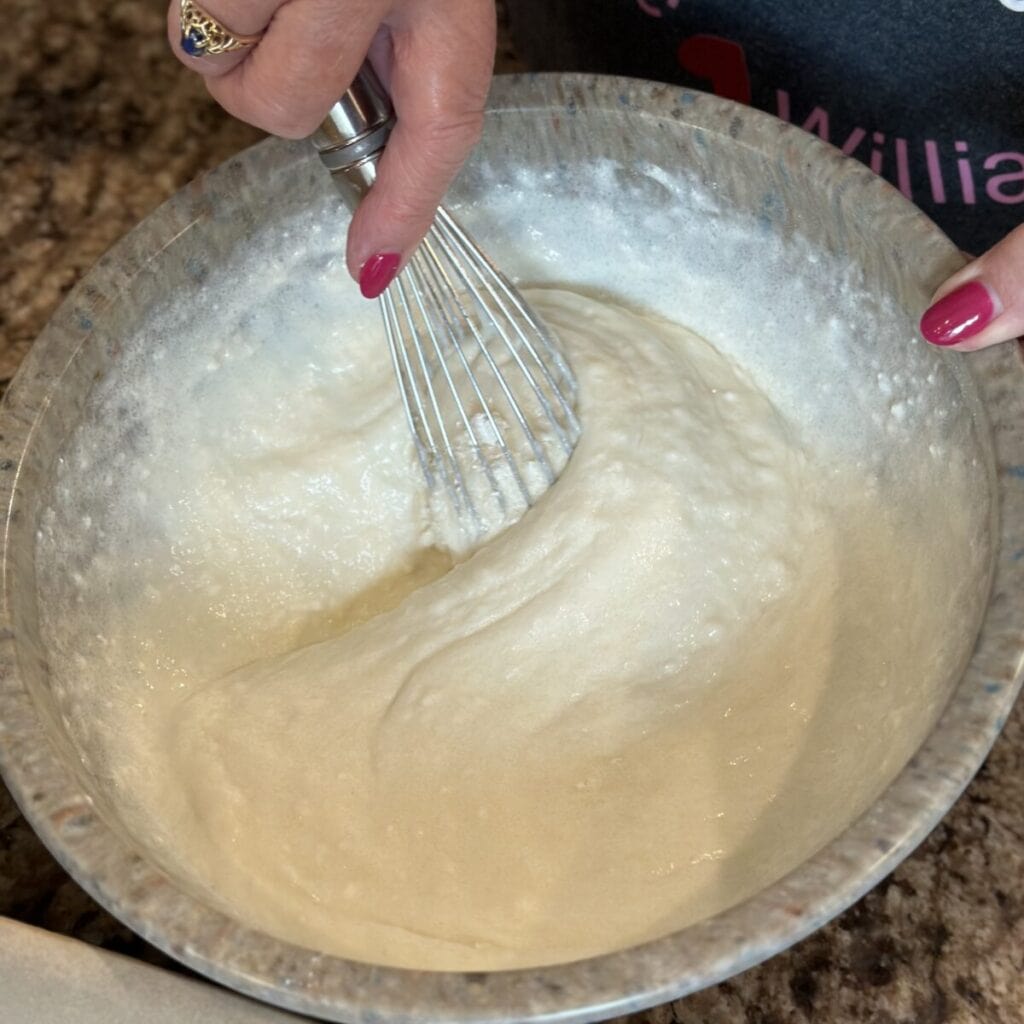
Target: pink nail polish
[960,315]
[377,273]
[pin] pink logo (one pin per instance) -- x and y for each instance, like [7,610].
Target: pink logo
[953,171]
[721,61]
[652,8]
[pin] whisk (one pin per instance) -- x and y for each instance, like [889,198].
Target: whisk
[487,392]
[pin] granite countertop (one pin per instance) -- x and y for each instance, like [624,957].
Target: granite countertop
[99,125]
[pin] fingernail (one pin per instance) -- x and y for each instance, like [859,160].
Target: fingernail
[377,273]
[960,315]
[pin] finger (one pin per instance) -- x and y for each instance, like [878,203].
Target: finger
[307,59]
[381,56]
[442,59]
[239,17]
[983,303]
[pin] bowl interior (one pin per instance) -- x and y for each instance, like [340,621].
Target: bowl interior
[676,191]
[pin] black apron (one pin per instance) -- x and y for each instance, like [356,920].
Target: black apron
[928,93]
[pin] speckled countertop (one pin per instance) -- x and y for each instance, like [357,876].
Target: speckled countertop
[98,125]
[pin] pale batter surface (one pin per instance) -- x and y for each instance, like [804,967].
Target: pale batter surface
[674,679]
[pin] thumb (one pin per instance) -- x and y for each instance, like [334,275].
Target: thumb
[983,303]
[440,74]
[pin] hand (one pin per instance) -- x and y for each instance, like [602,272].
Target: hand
[434,56]
[982,304]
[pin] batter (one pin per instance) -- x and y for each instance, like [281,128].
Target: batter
[655,694]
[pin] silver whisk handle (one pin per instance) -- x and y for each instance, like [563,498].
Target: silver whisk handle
[353,135]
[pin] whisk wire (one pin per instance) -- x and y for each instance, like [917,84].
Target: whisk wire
[454,316]
[473,260]
[518,415]
[445,459]
[514,408]
[486,272]
[424,287]
[409,393]
[482,379]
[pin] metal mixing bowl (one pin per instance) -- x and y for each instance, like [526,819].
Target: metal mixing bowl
[789,182]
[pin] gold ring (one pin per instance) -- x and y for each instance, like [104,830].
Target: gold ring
[202,35]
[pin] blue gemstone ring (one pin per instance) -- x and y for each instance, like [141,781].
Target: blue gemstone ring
[202,35]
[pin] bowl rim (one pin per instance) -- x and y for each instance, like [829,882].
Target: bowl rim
[707,952]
